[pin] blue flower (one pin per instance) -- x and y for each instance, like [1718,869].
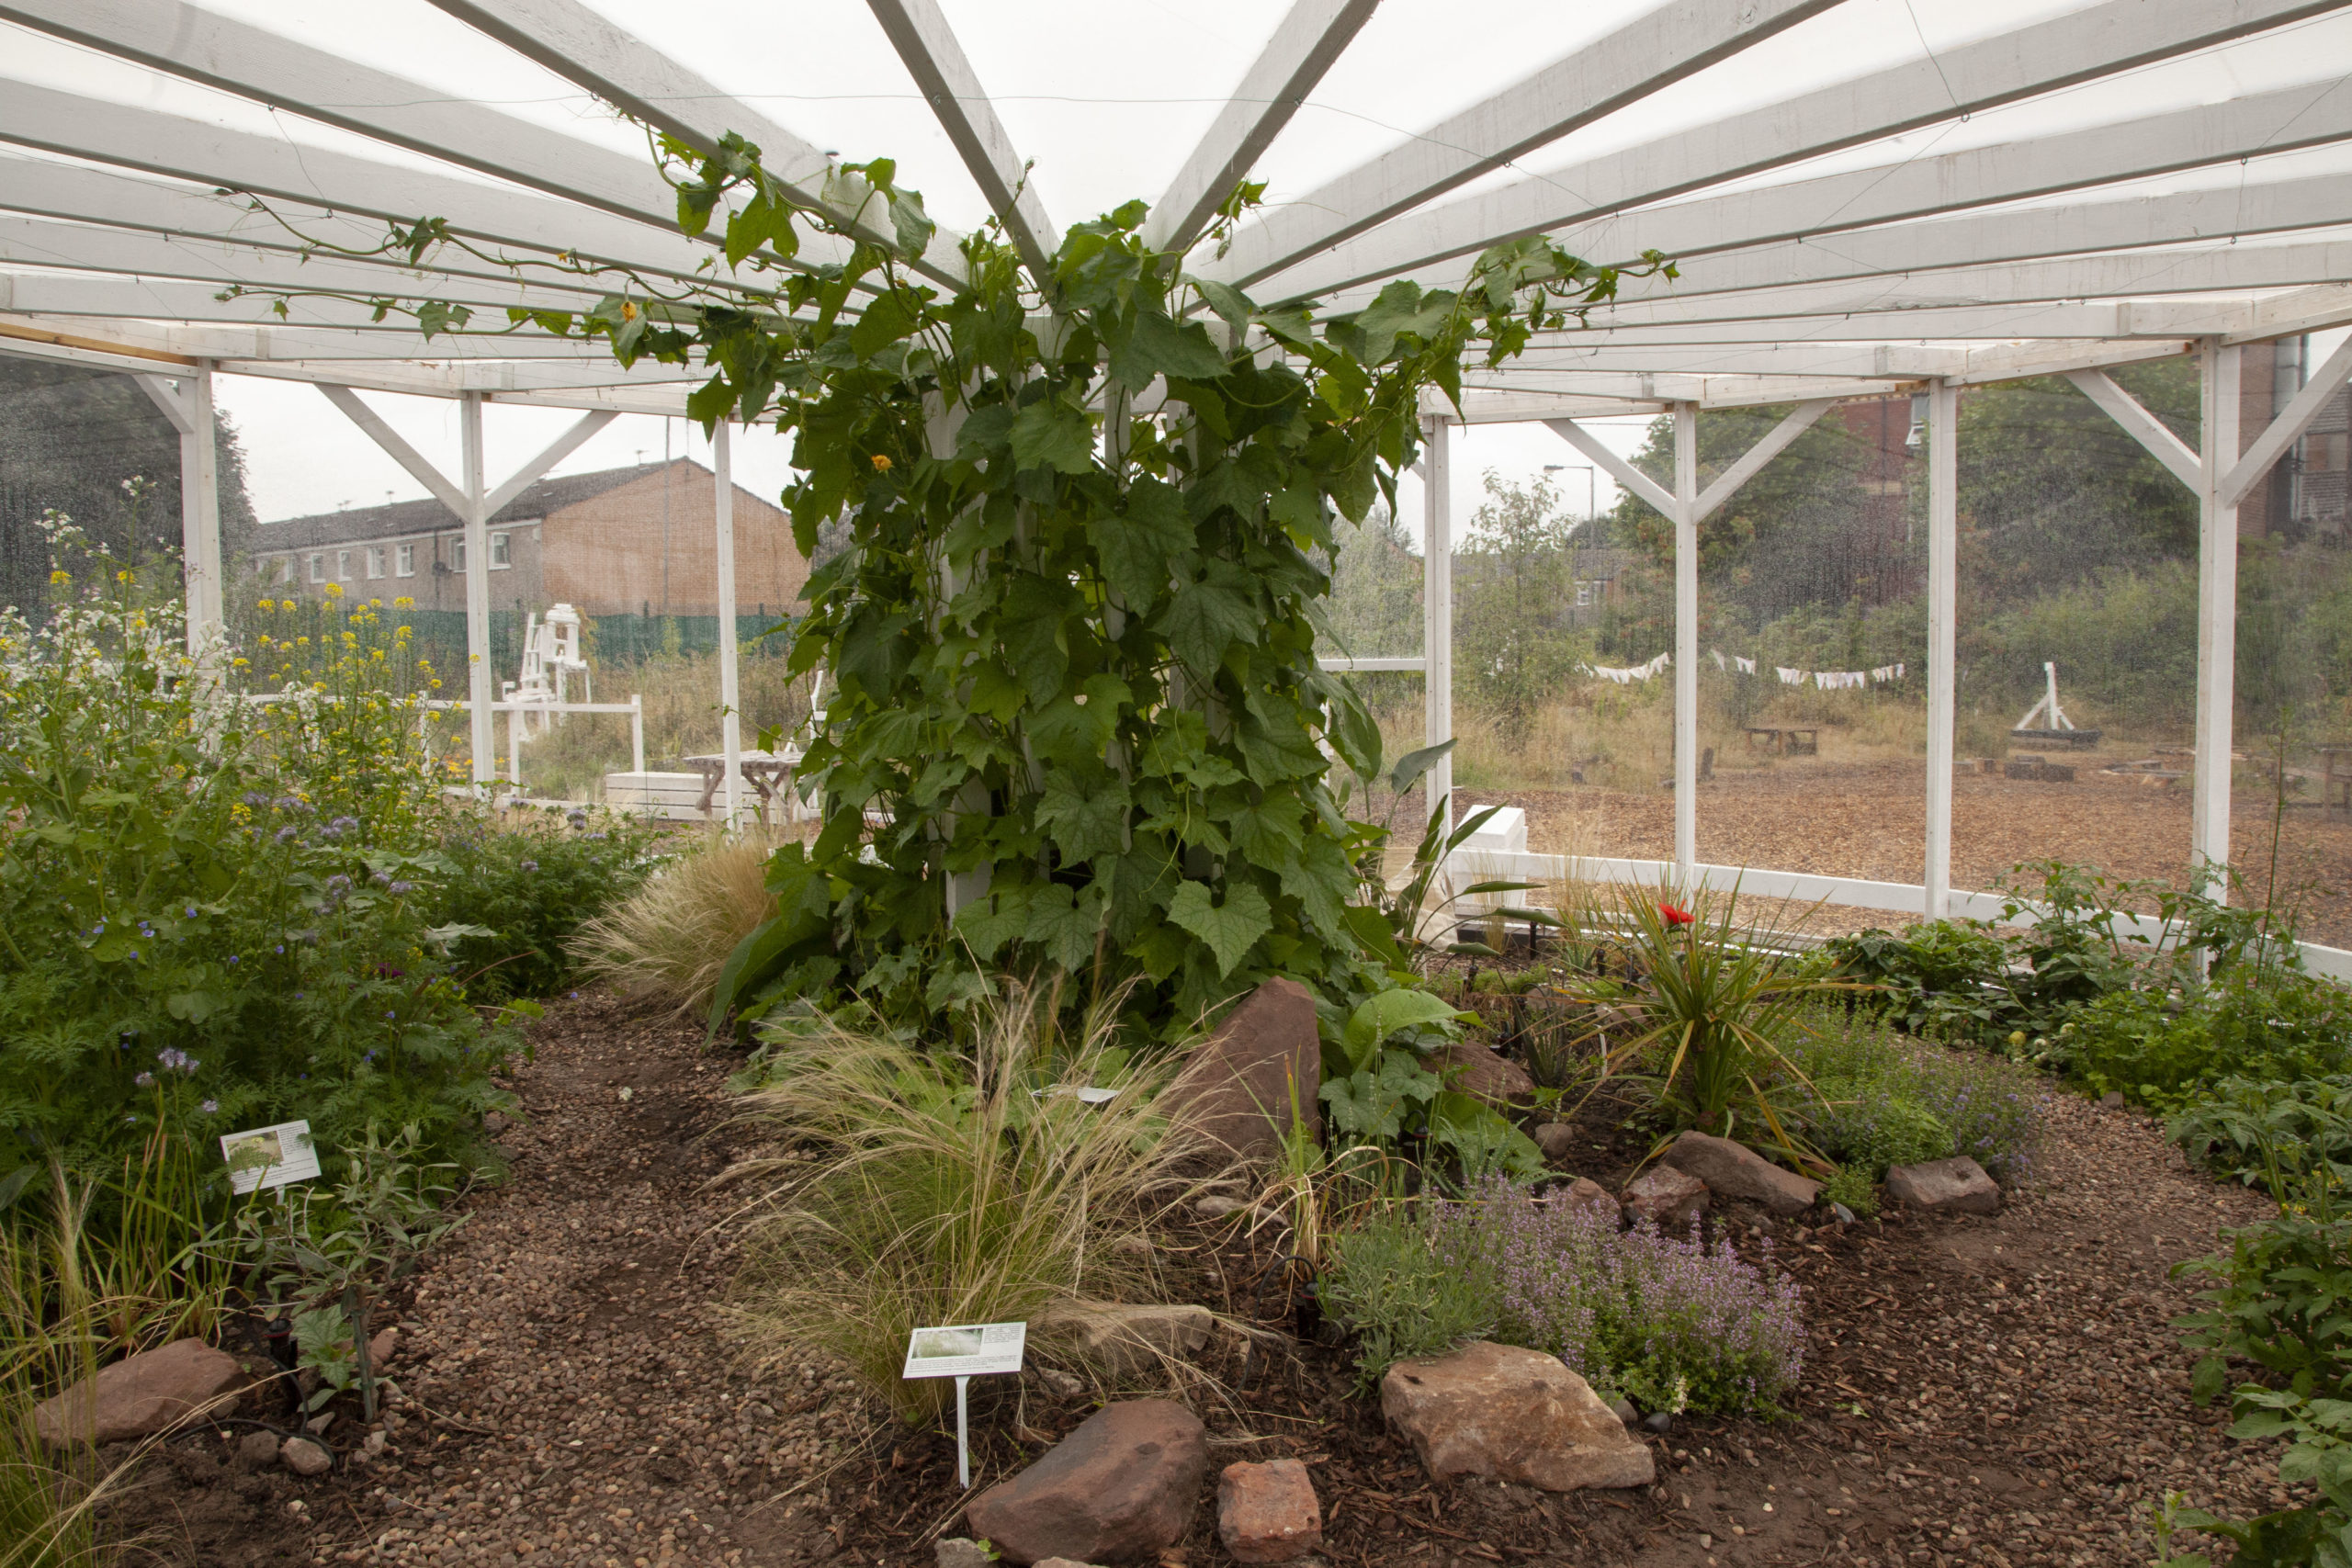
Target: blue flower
[210,1107]
[397,888]
[232,958]
[530,865]
[145,1081]
[191,911]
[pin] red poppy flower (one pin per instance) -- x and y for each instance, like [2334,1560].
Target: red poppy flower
[1675,917]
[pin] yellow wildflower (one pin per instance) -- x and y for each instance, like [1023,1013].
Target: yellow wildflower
[881,463]
[59,579]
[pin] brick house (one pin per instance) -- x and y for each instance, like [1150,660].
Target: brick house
[2306,491]
[633,541]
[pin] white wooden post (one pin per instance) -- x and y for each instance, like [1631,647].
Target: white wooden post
[2217,606]
[1943,557]
[200,512]
[729,721]
[479,684]
[637,732]
[1686,644]
[1437,613]
[514,751]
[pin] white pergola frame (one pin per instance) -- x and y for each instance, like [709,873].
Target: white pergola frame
[1908,272]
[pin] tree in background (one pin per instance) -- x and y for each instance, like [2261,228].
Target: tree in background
[1514,648]
[69,440]
[1375,606]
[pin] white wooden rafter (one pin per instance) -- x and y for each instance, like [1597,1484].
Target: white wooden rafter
[569,38]
[1637,59]
[927,45]
[1310,35]
[254,62]
[2080,46]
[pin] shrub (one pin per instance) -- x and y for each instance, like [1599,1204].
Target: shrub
[1878,1100]
[1670,1321]
[211,913]
[1384,1284]
[527,885]
[2283,1137]
[2169,1049]
[946,1190]
[671,937]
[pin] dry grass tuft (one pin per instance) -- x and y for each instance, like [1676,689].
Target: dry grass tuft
[668,940]
[940,1189]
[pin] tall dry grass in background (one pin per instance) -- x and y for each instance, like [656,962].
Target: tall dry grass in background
[668,940]
[945,1190]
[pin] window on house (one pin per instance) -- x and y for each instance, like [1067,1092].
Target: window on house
[1587,593]
[502,551]
[318,569]
[406,561]
[286,569]
[343,565]
[457,552]
[2327,451]
[375,562]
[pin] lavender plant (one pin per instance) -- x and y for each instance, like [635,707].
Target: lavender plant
[1668,1322]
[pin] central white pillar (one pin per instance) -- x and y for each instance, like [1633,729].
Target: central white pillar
[480,685]
[1943,557]
[1686,644]
[200,511]
[730,722]
[2217,609]
[1437,612]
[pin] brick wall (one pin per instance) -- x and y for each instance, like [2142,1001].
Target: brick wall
[605,555]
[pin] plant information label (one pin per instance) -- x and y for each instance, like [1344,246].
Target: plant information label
[269,1157]
[965,1350]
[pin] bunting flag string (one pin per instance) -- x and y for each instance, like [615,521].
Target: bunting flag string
[1823,680]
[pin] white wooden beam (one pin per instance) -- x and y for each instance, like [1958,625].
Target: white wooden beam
[731,692]
[1617,468]
[166,395]
[1484,407]
[41,243]
[2142,426]
[482,680]
[555,452]
[576,43]
[1707,392]
[2217,606]
[2080,46]
[282,170]
[1309,38]
[1800,419]
[2188,270]
[928,47]
[1437,612]
[271,68]
[2290,423]
[1651,51]
[1685,643]
[1944,576]
[420,468]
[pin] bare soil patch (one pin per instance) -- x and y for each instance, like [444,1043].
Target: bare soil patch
[2003,1391]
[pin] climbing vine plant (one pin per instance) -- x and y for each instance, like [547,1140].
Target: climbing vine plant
[1075,721]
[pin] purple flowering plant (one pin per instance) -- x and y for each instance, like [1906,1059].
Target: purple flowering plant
[1668,1321]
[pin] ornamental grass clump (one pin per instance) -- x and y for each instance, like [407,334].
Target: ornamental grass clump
[939,1188]
[1668,1321]
[669,939]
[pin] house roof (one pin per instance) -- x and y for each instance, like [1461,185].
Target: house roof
[428,516]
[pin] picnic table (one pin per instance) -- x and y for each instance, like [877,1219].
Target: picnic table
[766,772]
[1799,740]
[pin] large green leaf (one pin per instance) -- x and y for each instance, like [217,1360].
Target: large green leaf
[1157,345]
[1230,929]
[1204,619]
[1050,433]
[1146,547]
[1380,1015]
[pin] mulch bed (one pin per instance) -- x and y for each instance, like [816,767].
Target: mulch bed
[2003,1391]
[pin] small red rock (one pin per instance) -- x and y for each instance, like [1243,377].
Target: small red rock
[1665,1197]
[1267,1513]
[141,1395]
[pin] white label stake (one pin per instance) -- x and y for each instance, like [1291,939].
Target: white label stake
[963,1351]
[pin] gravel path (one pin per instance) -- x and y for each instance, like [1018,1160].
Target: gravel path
[2002,1391]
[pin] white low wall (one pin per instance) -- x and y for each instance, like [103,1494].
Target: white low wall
[1468,866]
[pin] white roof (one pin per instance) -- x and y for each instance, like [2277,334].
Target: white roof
[1859,193]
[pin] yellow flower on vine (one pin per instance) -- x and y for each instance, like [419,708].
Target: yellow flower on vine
[881,463]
